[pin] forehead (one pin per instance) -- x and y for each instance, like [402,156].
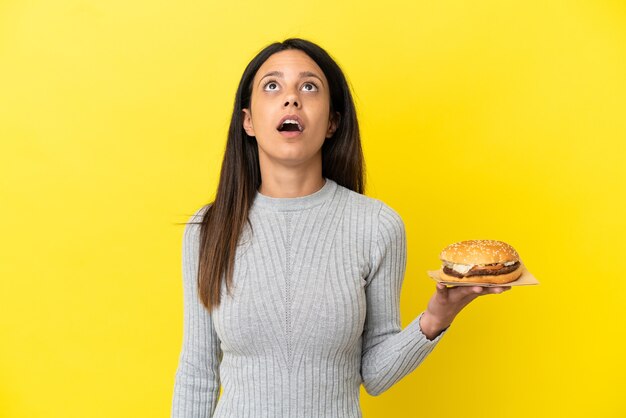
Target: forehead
[290,62]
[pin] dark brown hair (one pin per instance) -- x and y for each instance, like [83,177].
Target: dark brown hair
[240,176]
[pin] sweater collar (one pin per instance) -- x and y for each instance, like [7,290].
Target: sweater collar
[296,203]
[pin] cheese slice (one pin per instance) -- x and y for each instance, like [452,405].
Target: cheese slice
[460,268]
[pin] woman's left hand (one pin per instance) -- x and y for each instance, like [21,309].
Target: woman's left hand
[447,302]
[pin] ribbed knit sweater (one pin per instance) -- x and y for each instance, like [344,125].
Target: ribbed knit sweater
[315,312]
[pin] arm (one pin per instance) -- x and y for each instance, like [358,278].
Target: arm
[197,381]
[389,352]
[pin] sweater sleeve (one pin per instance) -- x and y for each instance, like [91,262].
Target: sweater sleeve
[197,381]
[389,352]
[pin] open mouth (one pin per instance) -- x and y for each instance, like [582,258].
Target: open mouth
[290,125]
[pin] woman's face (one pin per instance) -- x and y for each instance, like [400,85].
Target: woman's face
[289,83]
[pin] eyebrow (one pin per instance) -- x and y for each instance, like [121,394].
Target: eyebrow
[302,75]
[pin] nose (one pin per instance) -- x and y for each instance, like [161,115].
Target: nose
[292,98]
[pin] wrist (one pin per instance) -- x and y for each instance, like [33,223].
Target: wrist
[432,325]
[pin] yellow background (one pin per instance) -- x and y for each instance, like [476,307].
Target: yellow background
[483,119]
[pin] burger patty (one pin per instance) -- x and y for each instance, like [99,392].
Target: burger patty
[479,272]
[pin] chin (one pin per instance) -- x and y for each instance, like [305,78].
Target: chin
[291,153]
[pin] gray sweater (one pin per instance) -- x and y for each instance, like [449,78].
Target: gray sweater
[315,312]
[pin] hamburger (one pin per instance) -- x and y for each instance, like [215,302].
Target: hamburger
[480,261]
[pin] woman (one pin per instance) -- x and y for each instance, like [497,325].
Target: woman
[291,275]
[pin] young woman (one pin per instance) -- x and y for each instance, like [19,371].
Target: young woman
[292,275]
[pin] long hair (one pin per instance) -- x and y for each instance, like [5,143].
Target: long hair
[240,176]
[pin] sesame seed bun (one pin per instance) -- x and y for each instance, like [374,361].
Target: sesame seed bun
[484,251]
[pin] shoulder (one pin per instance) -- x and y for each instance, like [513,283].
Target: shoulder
[193,224]
[389,218]
[198,215]
[358,200]
[385,221]
[378,211]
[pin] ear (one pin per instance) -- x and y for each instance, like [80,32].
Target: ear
[333,124]
[247,122]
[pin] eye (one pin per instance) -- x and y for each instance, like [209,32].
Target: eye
[270,83]
[309,84]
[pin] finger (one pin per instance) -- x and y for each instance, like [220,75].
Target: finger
[442,289]
[499,289]
[469,292]
[478,289]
